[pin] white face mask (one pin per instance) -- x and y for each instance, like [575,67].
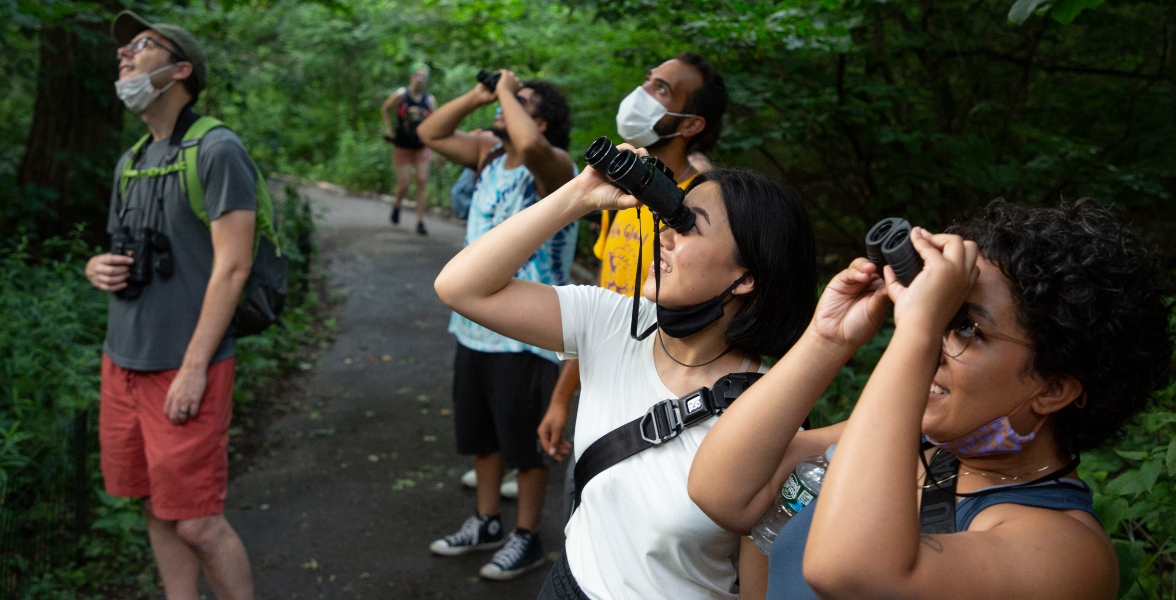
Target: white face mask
[638,115]
[138,92]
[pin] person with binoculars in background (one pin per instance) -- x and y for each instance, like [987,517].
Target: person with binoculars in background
[410,105]
[676,113]
[1022,337]
[736,280]
[501,386]
[175,279]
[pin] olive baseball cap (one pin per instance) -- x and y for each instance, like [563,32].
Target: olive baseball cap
[127,25]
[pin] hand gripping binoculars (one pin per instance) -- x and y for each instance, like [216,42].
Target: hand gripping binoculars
[489,78]
[889,243]
[645,178]
[151,251]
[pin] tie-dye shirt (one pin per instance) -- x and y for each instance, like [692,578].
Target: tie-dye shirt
[500,194]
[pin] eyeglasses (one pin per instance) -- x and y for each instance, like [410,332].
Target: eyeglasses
[961,331]
[140,44]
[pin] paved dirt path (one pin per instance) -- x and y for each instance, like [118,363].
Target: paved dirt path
[363,474]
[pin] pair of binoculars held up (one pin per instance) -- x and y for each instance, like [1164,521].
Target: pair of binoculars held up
[889,243]
[489,78]
[645,178]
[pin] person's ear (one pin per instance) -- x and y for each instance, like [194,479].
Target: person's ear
[182,71]
[541,123]
[746,286]
[1058,393]
[692,126]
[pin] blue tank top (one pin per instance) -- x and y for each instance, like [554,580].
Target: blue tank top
[785,576]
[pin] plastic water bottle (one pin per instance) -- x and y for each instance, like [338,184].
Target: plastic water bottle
[801,487]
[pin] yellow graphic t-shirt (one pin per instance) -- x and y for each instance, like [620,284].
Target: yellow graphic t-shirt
[617,246]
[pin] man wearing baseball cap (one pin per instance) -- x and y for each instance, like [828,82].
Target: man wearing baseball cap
[175,278]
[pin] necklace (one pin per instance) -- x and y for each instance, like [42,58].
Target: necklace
[663,347]
[987,474]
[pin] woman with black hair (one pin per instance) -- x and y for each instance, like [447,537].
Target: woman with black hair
[1063,336]
[751,260]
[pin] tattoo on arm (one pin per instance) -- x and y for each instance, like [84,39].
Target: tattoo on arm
[931,543]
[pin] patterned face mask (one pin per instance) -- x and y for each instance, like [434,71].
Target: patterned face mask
[995,437]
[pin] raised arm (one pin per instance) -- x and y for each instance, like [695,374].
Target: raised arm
[391,105]
[551,166]
[479,282]
[749,452]
[439,130]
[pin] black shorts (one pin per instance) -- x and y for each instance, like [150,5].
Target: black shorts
[499,398]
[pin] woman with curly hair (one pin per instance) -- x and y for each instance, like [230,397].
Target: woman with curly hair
[1063,336]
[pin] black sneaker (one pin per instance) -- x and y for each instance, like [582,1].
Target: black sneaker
[421,228]
[477,533]
[522,552]
[395,216]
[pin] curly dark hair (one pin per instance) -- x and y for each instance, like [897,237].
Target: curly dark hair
[1095,302]
[553,108]
[774,240]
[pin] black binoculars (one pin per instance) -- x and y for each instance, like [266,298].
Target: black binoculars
[645,178]
[889,243]
[151,251]
[489,78]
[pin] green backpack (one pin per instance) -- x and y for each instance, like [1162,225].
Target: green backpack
[264,294]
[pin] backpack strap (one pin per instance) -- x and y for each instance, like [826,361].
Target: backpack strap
[190,182]
[494,153]
[937,509]
[663,422]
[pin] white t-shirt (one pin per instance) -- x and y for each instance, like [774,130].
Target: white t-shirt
[636,533]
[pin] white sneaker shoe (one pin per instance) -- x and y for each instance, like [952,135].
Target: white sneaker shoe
[510,482]
[470,479]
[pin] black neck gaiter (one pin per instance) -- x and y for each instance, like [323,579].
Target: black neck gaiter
[685,322]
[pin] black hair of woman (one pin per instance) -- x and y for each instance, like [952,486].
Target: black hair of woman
[774,241]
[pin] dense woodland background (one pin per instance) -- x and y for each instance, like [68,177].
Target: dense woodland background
[923,109]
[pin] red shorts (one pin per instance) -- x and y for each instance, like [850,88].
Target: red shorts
[184,469]
[408,156]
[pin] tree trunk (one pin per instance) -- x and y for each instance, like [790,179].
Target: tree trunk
[68,164]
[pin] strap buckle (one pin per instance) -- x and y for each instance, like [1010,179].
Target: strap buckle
[667,419]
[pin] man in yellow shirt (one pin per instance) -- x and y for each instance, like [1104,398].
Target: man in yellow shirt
[676,112]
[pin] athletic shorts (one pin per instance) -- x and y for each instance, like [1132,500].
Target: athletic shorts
[499,398]
[184,469]
[410,156]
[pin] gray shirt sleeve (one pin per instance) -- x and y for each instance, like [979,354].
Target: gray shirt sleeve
[227,173]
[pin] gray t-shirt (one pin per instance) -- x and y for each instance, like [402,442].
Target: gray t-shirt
[151,332]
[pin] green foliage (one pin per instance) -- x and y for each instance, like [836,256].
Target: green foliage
[1135,495]
[50,348]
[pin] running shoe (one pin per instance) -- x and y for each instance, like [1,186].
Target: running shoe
[510,482]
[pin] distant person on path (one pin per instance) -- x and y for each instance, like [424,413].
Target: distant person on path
[501,386]
[168,361]
[411,105]
[675,114]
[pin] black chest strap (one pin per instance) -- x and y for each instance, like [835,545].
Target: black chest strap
[937,509]
[663,422]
